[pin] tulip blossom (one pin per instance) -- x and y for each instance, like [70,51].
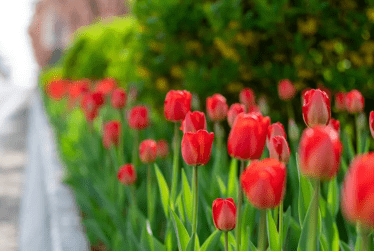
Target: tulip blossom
[279,149]
[276,129]
[112,131]
[197,147]
[335,124]
[253,108]
[99,98]
[138,117]
[354,101]
[371,123]
[264,183]
[177,104]
[106,86]
[248,136]
[293,130]
[217,107]
[233,112]
[357,193]
[320,151]
[162,148]
[119,98]
[148,151]
[316,108]
[57,89]
[78,88]
[340,101]
[224,214]
[247,97]
[286,90]
[127,174]
[193,122]
[89,107]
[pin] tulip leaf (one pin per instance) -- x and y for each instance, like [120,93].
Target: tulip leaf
[170,239]
[323,241]
[344,246]
[305,194]
[333,197]
[221,186]
[164,190]
[181,207]
[286,224]
[348,144]
[273,235]
[187,196]
[232,184]
[212,242]
[193,244]
[181,232]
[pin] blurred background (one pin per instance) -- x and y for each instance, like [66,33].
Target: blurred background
[202,46]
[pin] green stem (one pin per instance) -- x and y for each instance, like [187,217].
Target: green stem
[364,234]
[276,211]
[175,176]
[281,224]
[149,193]
[290,110]
[121,151]
[218,133]
[239,209]
[195,199]
[133,195]
[262,231]
[226,241]
[135,148]
[358,134]
[313,226]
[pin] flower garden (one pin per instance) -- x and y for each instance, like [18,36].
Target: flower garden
[176,133]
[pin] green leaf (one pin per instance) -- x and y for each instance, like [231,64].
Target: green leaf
[181,232]
[323,241]
[273,235]
[187,196]
[305,194]
[222,186]
[232,184]
[333,197]
[212,242]
[164,191]
[344,246]
[286,223]
[193,244]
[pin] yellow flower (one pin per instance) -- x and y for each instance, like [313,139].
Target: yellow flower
[298,60]
[304,73]
[369,59]
[156,46]
[356,59]
[328,45]
[307,27]
[143,72]
[370,14]
[176,71]
[234,24]
[194,46]
[367,47]
[226,51]
[247,38]
[162,84]
[234,87]
[279,57]
[246,75]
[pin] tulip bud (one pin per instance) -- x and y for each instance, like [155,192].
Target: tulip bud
[293,130]
[371,123]
[119,98]
[263,105]
[233,112]
[305,90]
[106,86]
[279,149]
[148,151]
[264,183]
[176,105]
[162,148]
[253,108]
[224,214]
[340,101]
[217,107]
[99,98]
[57,89]
[78,88]
[286,90]
[197,147]
[316,108]
[248,136]
[112,131]
[276,129]
[127,174]
[320,151]
[335,124]
[138,117]
[193,122]
[354,101]
[247,97]
[357,192]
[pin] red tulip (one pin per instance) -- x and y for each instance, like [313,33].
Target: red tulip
[119,98]
[354,101]
[286,90]
[335,124]
[112,131]
[197,147]
[264,183]
[57,89]
[293,129]
[279,149]
[193,122]
[106,86]
[176,105]
[233,112]
[217,107]
[357,192]
[371,123]
[320,151]
[127,174]
[305,90]
[89,107]
[248,136]
[148,151]
[276,129]
[247,97]
[224,214]
[162,148]
[253,108]
[99,98]
[78,88]
[326,90]
[340,101]
[316,108]
[138,117]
